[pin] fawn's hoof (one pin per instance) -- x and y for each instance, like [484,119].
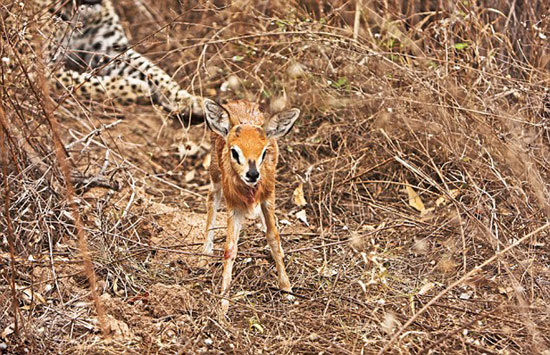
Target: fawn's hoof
[289,297]
[207,252]
[224,309]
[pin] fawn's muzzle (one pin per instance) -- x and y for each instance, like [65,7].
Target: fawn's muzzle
[252,175]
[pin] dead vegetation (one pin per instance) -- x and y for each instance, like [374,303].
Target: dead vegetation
[422,152]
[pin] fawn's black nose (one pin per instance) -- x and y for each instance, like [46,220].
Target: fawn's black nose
[252,175]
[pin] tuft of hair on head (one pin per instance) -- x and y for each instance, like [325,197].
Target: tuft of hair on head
[278,125]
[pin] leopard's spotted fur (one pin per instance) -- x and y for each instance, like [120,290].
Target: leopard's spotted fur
[88,52]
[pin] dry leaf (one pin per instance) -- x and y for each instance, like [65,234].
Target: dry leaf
[189,176]
[414,199]
[116,290]
[444,199]
[296,70]
[187,149]
[118,329]
[302,217]
[299,198]
[326,271]
[285,222]
[30,296]
[8,331]
[426,288]
[389,323]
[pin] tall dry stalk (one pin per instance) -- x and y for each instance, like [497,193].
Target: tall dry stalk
[70,195]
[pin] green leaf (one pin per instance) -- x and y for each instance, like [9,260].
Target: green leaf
[281,24]
[342,81]
[461,45]
[254,324]
[237,58]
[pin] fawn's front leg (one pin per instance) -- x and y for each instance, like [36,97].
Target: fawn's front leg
[268,210]
[212,204]
[234,222]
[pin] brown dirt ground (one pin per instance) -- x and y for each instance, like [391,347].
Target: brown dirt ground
[171,230]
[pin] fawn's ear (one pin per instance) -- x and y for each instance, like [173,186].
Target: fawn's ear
[281,123]
[217,117]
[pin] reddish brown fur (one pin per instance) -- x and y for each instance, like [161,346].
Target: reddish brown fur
[251,140]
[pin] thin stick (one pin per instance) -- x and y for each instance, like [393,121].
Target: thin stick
[357,19]
[472,272]
[71,200]
[365,172]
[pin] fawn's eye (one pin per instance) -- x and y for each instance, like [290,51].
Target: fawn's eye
[263,155]
[235,155]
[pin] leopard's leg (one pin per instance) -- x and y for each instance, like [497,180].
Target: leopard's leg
[134,79]
[188,107]
[172,97]
[166,91]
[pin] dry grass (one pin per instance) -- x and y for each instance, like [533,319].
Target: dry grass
[449,102]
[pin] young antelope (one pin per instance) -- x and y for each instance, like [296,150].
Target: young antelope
[244,159]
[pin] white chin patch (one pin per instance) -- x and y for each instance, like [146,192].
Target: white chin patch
[251,184]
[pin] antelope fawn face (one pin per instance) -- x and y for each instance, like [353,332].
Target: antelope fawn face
[248,147]
[247,143]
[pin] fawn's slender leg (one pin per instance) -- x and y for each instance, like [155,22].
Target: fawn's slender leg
[212,204]
[258,212]
[234,223]
[268,210]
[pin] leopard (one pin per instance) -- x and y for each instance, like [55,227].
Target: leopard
[87,52]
